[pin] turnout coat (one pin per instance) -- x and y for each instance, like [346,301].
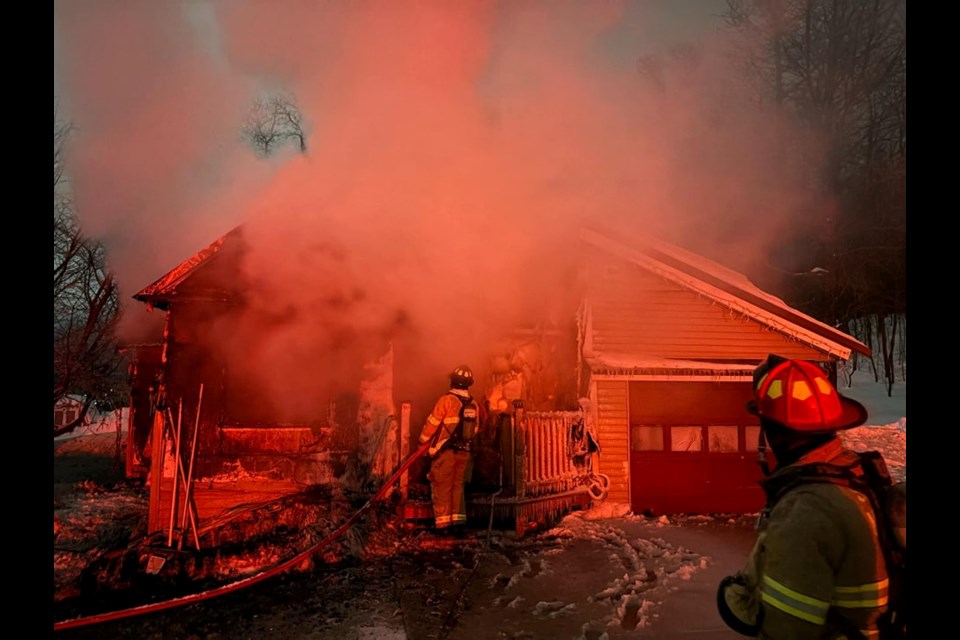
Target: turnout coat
[817,566]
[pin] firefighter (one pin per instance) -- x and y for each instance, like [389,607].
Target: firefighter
[817,568]
[451,427]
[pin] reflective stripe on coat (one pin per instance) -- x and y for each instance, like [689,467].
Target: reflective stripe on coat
[817,556]
[443,419]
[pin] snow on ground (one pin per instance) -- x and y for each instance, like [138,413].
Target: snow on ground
[886,428]
[97,423]
[657,565]
[882,409]
[648,567]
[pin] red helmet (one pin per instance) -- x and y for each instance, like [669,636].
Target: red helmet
[797,395]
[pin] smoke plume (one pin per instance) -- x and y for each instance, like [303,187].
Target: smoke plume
[455,149]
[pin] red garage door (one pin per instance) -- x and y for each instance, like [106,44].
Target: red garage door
[693,448]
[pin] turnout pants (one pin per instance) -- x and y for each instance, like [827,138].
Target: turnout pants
[447,477]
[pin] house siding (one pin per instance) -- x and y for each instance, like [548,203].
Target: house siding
[637,313]
[613,435]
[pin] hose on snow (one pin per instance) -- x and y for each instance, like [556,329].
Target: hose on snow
[251,580]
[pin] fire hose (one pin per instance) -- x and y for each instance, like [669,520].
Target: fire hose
[251,580]
[598,486]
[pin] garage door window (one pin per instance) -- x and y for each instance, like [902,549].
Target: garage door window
[725,438]
[646,438]
[751,433]
[686,439]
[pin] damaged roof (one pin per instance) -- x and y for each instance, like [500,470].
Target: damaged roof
[164,290]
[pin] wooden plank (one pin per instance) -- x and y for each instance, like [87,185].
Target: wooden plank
[612,427]
[154,519]
[613,421]
[404,445]
[732,349]
[214,500]
[614,453]
[610,399]
[612,417]
[707,330]
[611,444]
[617,494]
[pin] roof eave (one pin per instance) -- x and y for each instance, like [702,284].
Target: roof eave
[161,292]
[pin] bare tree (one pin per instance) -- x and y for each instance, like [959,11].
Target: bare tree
[272,121]
[61,131]
[86,361]
[839,67]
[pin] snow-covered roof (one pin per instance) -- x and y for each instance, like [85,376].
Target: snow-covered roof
[729,288]
[69,400]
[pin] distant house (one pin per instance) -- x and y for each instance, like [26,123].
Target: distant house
[66,410]
[197,386]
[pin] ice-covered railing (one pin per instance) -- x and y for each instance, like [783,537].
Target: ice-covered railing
[546,464]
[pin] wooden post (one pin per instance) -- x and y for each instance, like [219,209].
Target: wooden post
[519,446]
[118,458]
[188,498]
[175,491]
[128,453]
[404,445]
[191,502]
[156,471]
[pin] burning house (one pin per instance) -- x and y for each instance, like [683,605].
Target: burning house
[636,396]
[204,412]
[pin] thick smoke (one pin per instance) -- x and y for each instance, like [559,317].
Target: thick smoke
[455,149]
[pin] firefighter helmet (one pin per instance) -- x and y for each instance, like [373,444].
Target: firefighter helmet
[461,377]
[798,395]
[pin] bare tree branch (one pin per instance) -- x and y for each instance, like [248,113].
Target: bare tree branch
[273,121]
[86,306]
[839,68]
